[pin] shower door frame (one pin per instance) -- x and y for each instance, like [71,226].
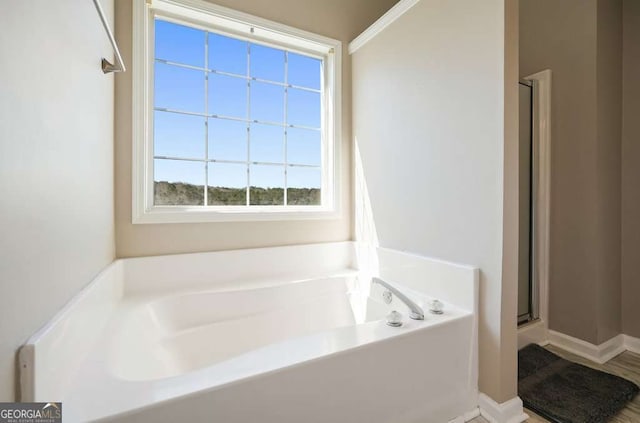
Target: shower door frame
[536,331]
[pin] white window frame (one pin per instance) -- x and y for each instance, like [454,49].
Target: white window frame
[240,25]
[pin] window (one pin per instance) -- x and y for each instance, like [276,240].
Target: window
[235,117]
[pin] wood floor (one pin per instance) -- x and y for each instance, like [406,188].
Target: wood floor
[626,365]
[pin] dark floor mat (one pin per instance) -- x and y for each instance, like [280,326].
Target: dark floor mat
[566,392]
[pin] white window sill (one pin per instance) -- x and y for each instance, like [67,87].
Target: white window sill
[178,214]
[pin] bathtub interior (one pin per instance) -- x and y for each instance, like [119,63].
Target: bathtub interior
[182,333]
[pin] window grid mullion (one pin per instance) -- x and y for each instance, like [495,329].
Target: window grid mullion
[206,121]
[244,162]
[286,99]
[248,193]
[262,122]
[235,75]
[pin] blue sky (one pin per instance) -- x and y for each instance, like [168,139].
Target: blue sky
[185,136]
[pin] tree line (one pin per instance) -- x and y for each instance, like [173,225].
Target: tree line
[183,194]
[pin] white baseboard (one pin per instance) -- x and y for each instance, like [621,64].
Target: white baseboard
[632,344]
[596,353]
[508,412]
[466,417]
[533,333]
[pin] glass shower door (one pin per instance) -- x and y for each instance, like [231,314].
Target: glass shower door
[526,297]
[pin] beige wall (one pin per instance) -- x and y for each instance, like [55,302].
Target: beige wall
[429,125]
[561,36]
[506,345]
[579,41]
[342,20]
[609,98]
[631,170]
[56,164]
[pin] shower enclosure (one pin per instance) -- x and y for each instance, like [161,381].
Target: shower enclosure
[527,294]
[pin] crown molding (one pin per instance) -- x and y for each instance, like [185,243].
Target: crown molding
[378,26]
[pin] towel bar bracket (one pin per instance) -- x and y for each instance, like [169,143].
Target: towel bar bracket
[108,67]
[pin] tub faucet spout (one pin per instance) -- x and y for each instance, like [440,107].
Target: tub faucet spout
[416,310]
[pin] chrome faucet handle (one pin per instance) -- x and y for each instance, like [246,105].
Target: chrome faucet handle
[394,319]
[435,307]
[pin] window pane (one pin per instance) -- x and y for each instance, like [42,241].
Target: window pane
[227,54]
[267,63]
[178,135]
[227,96]
[267,143]
[303,186]
[304,146]
[303,108]
[267,102]
[304,71]
[179,88]
[227,184]
[178,182]
[179,43]
[227,139]
[267,185]
[236,118]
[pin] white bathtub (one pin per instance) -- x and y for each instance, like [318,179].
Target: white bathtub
[183,339]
